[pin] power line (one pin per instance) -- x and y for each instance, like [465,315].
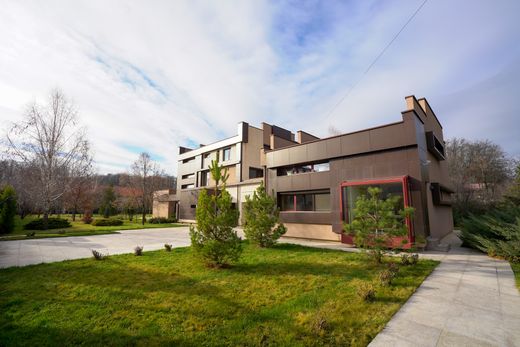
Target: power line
[375,60]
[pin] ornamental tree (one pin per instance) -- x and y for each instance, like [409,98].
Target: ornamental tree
[261,219]
[376,221]
[213,239]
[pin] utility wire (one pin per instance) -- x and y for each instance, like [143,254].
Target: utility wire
[375,60]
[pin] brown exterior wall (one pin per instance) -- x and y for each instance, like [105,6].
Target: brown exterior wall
[397,149]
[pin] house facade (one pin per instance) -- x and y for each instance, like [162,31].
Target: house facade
[316,181]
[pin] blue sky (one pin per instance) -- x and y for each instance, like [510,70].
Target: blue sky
[158,74]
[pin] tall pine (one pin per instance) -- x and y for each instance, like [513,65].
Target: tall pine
[213,238]
[261,219]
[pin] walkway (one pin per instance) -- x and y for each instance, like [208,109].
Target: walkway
[35,251]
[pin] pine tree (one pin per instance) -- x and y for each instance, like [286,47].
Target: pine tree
[7,209]
[108,202]
[261,219]
[214,238]
[376,221]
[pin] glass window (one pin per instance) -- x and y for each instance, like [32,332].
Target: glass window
[321,167]
[322,202]
[186,186]
[351,193]
[255,173]
[226,154]
[302,168]
[204,178]
[286,202]
[304,202]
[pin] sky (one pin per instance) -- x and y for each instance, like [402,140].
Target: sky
[153,75]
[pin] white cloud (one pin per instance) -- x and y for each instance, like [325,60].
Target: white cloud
[157,74]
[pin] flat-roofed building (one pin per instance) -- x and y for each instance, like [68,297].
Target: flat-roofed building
[241,155]
[316,181]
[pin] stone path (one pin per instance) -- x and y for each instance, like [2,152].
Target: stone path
[35,251]
[468,300]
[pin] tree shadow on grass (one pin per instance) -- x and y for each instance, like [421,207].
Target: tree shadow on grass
[13,334]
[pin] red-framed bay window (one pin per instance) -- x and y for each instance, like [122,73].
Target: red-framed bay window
[350,190]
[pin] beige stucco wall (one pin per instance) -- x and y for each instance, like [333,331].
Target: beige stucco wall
[162,209]
[251,151]
[311,231]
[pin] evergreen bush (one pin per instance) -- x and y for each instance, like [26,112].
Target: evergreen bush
[53,223]
[261,219]
[105,222]
[213,239]
[496,233]
[376,221]
[162,220]
[7,209]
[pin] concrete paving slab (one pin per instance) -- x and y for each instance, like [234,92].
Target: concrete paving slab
[35,251]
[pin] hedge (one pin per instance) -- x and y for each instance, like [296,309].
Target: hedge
[53,223]
[104,222]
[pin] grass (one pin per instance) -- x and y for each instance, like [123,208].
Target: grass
[516,270]
[286,296]
[78,228]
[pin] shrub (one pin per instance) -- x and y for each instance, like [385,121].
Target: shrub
[496,233]
[7,209]
[414,258]
[103,222]
[161,220]
[98,255]
[261,219]
[377,221]
[386,276]
[87,217]
[138,250]
[168,247]
[213,239]
[393,267]
[53,223]
[366,291]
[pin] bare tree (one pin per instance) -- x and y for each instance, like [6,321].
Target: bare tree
[145,179]
[480,172]
[333,131]
[50,139]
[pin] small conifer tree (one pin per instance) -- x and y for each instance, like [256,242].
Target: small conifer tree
[261,219]
[7,209]
[376,221]
[214,238]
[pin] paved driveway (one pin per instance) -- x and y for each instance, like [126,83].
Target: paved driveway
[26,252]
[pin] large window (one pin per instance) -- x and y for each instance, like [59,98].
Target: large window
[305,201]
[352,190]
[303,168]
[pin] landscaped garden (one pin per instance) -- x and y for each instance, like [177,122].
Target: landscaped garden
[286,295]
[78,227]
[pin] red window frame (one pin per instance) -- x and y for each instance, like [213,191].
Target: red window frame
[406,197]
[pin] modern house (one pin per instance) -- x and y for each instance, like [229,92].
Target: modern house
[316,181]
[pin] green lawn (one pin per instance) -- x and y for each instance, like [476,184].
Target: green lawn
[516,270]
[78,228]
[286,296]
